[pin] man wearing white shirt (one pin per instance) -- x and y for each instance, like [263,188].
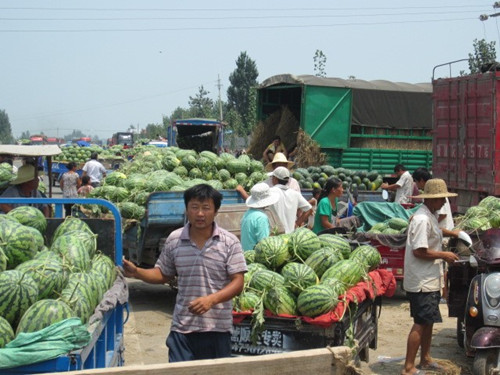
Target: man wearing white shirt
[403,187]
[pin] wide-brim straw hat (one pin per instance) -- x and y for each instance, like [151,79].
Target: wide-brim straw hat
[279,157]
[435,188]
[24,174]
[262,196]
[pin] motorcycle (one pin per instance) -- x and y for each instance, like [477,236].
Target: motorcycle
[474,298]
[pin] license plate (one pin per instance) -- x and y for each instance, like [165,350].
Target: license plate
[268,342]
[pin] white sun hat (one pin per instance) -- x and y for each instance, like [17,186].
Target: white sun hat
[262,196]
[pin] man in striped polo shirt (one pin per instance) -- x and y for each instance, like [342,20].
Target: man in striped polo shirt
[209,265]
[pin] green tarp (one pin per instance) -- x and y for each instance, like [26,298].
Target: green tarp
[371,213]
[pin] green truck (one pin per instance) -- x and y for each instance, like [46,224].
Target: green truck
[359,125]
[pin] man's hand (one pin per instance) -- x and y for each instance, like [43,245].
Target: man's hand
[201,305]
[449,257]
[129,268]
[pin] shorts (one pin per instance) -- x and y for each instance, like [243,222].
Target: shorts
[198,345]
[424,307]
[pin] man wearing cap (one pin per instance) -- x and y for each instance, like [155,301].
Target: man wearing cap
[255,223]
[24,186]
[280,160]
[422,278]
[290,201]
[271,150]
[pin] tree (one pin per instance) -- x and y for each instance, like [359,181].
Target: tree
[5,129]
[484,53]
[201,105]
[239,94]
[25,135]
[319,63]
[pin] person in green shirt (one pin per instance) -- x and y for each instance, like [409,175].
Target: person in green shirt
[327,205]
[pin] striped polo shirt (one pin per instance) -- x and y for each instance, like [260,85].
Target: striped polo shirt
[200,273]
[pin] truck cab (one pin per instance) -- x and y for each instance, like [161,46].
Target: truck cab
[197,134]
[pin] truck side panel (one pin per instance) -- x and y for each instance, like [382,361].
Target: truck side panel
[465,136]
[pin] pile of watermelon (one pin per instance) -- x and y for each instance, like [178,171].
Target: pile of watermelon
[42,283]
[392,226]
[317,176]
[174,169]
[482,217]
[302,273]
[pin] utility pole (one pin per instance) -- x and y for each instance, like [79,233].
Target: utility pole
[219,86]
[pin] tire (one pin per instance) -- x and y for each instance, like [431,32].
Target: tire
[460,333]
[485,361]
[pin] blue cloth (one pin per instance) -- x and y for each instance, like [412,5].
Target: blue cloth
[254,227]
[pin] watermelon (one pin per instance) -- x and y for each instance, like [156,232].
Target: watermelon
[30,216]
[271,252]
[42,314]
[397,223]
[491,203]
[249,256]
[347,271]
[323,259]
[368,255]
[37,237]
[337,242]
[338,287]
[102,264]
[298,276]
[237,166]
[252,269]
[6,332]
[73,252]
[316,300]
[3,260]
[88,239]
[245,301]
[81,294]
[279,300]
[18,291]
[19,243]
[303,243]
[48,274]
[69,224]
[494,218]
[265,279]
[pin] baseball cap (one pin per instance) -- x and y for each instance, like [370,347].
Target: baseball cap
[281,173]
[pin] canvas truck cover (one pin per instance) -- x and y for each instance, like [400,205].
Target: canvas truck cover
[376,103]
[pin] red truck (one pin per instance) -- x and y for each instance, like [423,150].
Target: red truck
[466,136]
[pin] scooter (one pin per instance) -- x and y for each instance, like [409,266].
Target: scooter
[480,327]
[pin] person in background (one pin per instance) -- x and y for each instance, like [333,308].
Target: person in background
[422,281]
[274,147]
[403,187]
[94,169]
[86,187]
[24,186]
[326,213]
[255,222]
[210,266]
[126,146]
[314,203]
[70,183]
[292,207]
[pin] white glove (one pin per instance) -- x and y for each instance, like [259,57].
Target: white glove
[465,237]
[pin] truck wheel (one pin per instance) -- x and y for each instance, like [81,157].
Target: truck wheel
[485,361]
[460,332]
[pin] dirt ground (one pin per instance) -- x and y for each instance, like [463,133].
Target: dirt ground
[151,308]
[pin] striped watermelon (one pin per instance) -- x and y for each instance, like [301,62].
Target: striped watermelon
[252,268]
[37,237]
[368,255]
[298,276]
[279,300]
[48,274]
[42,314]
[316,300]
[30,216]
[323,259]
[6,332]
[272,252]
[303,243]
[3,260]
[18,291]
[338,287]
[88,239]
[80,295]
[337,242]
[249,256]
[347,271]
[19,244]
[73,252]
[102,264]
[245,301]
[69,224]
[265,279]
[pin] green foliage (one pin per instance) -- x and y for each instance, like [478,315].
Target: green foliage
[319,63]
[5,129]
[484,53]
[201,105]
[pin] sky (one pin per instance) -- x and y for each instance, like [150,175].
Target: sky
[101,66]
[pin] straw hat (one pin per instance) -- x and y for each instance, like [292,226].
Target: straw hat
[262,196]
[25,173]
[435,188]
[279,157]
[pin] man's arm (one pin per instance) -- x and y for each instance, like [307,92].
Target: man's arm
[240,189]
[201,305]
[151,275]
[392,187]
[429,254]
